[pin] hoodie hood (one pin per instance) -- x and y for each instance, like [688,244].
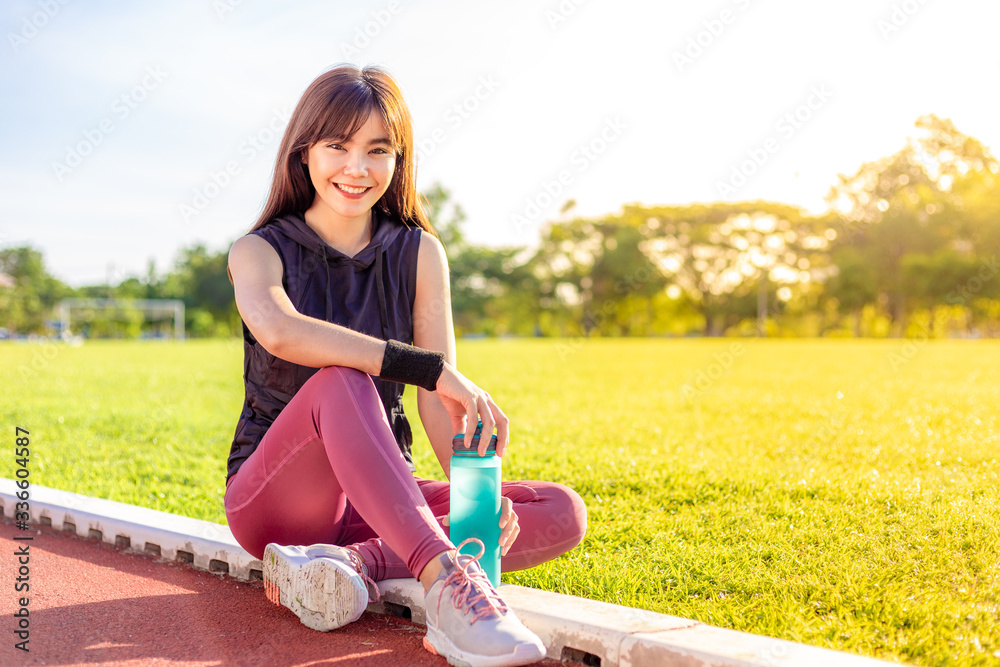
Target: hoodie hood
[384,232]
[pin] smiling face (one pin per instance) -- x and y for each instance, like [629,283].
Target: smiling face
[350,174]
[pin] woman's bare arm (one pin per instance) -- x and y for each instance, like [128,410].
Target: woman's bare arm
[433,330]
[284,332]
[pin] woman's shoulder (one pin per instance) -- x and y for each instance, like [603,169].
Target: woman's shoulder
[258,240]
[252,254]
[429,242]
[251,246]
[431,255]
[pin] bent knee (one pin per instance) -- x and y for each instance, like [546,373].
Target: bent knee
[334,373]
[569,513]
[579,514]
[343,378]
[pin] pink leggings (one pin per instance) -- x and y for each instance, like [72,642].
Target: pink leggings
[329,470]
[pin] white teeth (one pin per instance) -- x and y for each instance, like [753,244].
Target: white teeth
[349,189]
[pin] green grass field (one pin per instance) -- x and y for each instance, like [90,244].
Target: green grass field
[838,493]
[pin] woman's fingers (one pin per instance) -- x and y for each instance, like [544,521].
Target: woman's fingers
[471,420]
[492,418]
[457,395]
[502,425]
[509,528]
[467,403]
[513,538]
[486,417]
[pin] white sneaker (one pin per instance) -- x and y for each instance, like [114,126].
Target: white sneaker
[468,623]
[325,585]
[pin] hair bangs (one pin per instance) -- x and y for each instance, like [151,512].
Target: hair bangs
[346,112]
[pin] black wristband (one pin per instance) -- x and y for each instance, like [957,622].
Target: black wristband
[411,365]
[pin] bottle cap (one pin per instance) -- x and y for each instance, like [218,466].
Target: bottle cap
[458,442]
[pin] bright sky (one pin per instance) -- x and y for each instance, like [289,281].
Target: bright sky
[117,115]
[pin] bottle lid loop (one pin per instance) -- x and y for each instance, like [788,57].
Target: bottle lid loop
[458,442]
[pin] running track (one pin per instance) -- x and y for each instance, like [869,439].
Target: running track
[91,604]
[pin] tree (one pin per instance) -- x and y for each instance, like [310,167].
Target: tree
[597,272]
[915,203]
[493,291]
[200,280]
[854,285]
[447,217]
[25,307]
[729,260]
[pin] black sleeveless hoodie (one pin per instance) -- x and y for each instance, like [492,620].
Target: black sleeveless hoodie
[372,292]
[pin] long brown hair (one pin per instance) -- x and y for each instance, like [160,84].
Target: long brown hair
[337,104]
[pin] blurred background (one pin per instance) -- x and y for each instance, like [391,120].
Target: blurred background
[769,168]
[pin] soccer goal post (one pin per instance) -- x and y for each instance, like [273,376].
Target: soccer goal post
[148,306]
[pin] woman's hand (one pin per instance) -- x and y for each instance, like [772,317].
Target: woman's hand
[467,405]
[509,528]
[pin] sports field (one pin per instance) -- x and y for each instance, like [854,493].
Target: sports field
[838,493]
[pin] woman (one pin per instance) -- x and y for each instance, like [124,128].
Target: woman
[340,273]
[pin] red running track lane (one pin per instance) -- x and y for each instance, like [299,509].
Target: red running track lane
[91,604]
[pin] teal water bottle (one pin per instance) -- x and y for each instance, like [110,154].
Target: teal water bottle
[475,500]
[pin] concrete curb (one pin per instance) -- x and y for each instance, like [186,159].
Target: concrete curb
[588,631]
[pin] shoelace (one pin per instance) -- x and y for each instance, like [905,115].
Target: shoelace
[359,565]
[472,588]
